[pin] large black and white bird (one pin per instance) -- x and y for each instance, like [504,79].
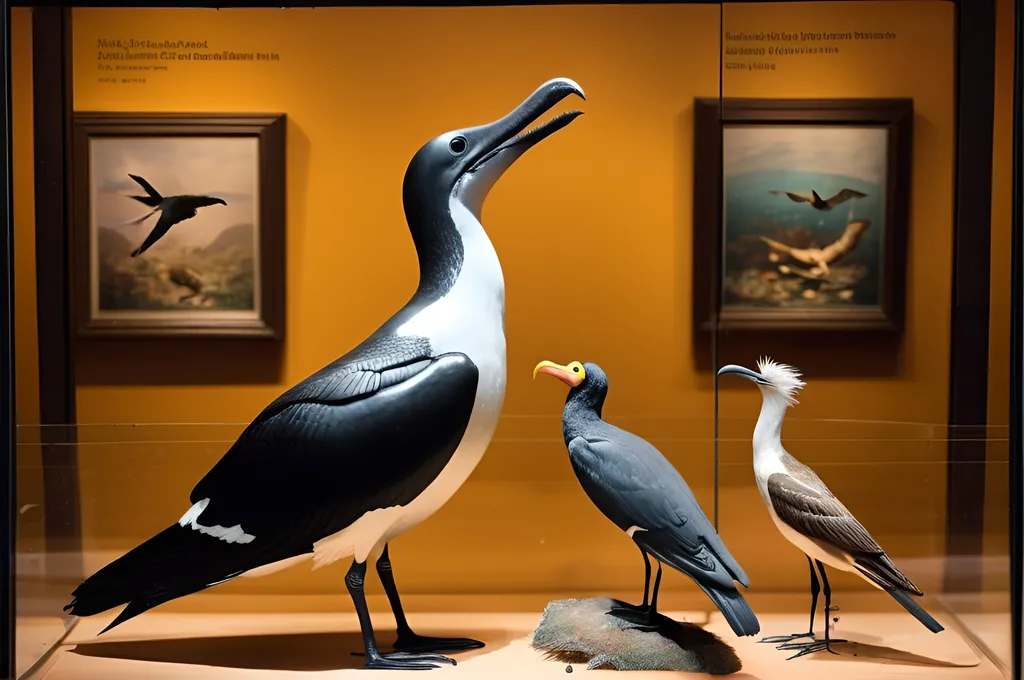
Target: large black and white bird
[375,442]
[809,515]
[172,209]
[640,491]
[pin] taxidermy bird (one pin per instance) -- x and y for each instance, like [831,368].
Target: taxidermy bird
[374,443]
[172,209]
[821,258]
[638,489]
[817,202]
[810,516]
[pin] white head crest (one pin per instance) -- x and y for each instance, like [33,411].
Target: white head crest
[784,379]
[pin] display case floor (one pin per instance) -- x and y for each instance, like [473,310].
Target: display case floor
[239,646]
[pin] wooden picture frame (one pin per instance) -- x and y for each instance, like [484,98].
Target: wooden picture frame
[217,273]
[741,282]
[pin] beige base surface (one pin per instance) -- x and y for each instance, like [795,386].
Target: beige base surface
[242,646]
[35,636]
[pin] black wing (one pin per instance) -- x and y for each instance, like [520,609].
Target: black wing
[153,193]
[630,493]
[365,433]
[821,516]
[796,198]
[843,196]
[166,221]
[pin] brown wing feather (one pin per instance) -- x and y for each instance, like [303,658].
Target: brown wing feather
[821,516]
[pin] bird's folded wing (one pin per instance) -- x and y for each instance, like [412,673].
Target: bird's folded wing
[819,516]
[372,434]
[674,526]
[377,364]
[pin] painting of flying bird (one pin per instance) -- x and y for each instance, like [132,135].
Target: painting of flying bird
[817,202]
[206,256]
[811,221]
[172,209]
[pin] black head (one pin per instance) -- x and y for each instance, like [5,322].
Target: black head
[464,164]
[588,381]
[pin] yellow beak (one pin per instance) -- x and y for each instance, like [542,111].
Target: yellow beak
[561,372]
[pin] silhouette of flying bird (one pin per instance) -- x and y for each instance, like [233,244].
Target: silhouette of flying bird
[172,209]
[817,202]
[820,258]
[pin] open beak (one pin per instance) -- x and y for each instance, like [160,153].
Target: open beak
[504,133]
[561,372]
[502,142]
[753,376]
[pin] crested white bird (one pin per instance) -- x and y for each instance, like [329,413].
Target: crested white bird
[809,515]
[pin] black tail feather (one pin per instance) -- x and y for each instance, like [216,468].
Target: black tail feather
[916,610]
[735,610]
[176,562]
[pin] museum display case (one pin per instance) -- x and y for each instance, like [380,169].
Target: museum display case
[514,340]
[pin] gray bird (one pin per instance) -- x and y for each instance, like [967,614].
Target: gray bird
[172,209]
[817,202]
[809,515]
[638,489]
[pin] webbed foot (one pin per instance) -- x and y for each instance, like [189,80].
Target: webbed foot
[411,642]
[405,661]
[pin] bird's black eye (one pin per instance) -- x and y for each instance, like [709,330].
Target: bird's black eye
[457,146]
[575,369]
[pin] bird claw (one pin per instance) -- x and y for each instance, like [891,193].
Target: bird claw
[411,642]
[810,648]
[783,639]
[639,618]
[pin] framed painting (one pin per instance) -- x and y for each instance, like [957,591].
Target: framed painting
[800,214]
[178,224]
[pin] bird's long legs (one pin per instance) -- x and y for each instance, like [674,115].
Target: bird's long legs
[374,659]
[407,640]
[644,617]
[652,611]
[818,645]
[815,589]
[632,609]
[647,576]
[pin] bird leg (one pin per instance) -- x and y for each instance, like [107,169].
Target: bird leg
[642,618]
[626,607]
[818,645]
[815,589]
[374,659]
[407,640]
[647,577]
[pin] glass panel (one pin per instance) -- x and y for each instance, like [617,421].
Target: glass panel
[591,229]
[837,210]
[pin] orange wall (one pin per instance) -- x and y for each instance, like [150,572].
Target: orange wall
[30,471]
[360,87]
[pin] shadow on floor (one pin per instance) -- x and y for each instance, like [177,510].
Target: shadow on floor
[300,652]
[887,655]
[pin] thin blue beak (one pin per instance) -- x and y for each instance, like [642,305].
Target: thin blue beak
[753,376]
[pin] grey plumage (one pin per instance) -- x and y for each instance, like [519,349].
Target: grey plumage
[638,489]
